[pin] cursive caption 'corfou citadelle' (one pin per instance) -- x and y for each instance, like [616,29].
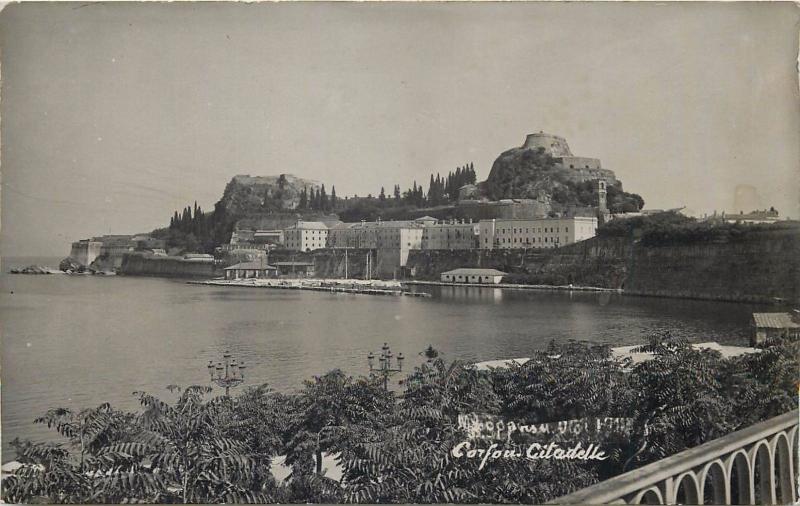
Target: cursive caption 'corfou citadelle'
[534,451]
[490,438]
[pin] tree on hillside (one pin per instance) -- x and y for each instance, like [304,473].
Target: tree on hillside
[303,204]
[323,199]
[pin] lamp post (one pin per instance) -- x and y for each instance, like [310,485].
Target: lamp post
[227,374]
[385,368]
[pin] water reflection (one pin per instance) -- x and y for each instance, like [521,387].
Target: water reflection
[471,294]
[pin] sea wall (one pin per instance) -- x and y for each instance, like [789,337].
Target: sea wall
[139,264]
[599,263]
[763,267]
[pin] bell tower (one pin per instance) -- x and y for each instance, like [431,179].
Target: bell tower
[601,196]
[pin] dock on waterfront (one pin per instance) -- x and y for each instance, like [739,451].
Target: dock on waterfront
[352,286]
[518,286]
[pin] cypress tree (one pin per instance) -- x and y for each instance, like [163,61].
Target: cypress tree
[323,199]
[303,198]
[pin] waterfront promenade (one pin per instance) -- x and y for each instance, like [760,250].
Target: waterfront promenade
[351,286]
[518,286]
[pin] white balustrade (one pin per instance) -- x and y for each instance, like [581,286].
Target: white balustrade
[756,465]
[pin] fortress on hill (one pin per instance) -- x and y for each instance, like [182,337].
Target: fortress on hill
[577,168]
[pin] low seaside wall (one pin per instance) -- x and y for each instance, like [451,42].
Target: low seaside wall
[137,264]
[759,268]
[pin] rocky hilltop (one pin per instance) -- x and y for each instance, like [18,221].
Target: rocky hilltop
[245,195]
[545,169]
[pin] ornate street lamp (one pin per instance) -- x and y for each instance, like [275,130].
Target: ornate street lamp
[228,374]
[385,368]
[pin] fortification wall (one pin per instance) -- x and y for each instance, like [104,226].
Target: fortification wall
[137,264]
[759,268]
[763,268]
[476,211]
[553,144]
[578,162]
[588,263]
[581,174]
[84,252]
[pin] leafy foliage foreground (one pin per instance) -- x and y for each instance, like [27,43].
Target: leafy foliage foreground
[397,448]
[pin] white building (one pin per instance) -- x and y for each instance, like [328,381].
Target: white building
[535,233]
[306,236]
[479,276]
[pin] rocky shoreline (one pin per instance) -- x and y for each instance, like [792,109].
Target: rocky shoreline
[72,269]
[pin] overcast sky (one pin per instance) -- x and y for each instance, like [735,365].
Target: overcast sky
[115,115]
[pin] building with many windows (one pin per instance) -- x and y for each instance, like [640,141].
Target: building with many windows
[452,234]
[535,233]
[306,236]
[392,240]
[401,235]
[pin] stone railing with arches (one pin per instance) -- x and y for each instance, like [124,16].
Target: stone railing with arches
[756,465]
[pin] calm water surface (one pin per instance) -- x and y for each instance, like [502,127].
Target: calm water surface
[77,341]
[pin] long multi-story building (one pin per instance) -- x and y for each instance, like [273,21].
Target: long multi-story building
[536,233]
[401,235]
[452,234]
[392,240]
[306,236]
